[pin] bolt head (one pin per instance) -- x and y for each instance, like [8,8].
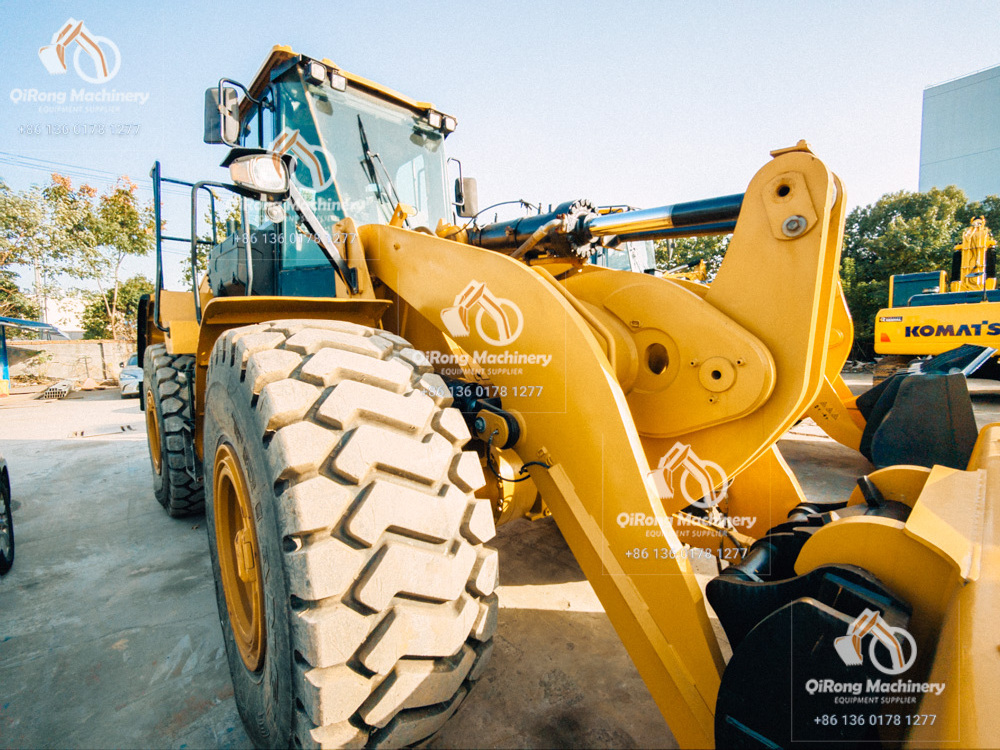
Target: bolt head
[480,424]
[794,225]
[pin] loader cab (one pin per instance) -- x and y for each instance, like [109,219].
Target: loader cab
[359,150]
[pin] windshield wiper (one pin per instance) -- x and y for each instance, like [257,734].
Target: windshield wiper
[321,237]
[369,161]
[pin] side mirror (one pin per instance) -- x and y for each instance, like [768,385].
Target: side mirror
[466,197]
[121,364]
[222,118]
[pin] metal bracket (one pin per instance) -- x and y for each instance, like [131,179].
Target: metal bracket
[484,414]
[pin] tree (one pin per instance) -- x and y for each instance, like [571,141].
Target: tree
[25,239]
[23,228]
[97,324]
[13,302]
[988,207]
[901,232]
[96,235]
[711,249]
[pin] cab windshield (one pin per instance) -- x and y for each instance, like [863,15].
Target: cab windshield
[327,129]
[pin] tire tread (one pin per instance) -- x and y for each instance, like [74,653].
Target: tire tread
[383,560]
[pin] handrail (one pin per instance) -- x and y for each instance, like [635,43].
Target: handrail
[157,178]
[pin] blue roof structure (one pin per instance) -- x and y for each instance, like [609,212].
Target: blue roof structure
[26,325]
[31,325]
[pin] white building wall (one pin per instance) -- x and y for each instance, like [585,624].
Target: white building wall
[960,135]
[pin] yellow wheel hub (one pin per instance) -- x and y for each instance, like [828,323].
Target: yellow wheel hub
[153,432]
[236,541]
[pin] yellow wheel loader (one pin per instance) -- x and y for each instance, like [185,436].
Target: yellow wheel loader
[363,385]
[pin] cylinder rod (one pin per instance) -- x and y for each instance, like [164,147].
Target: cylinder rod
[652,222]
[689,230]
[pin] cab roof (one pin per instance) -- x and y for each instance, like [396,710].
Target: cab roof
[281,54]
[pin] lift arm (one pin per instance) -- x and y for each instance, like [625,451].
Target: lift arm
[560,375]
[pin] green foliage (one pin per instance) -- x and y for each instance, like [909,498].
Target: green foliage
[96,321]
[96,234]
[13,302]
[903,232]
[25,235]
[672,253]
[988,207]
[75,232]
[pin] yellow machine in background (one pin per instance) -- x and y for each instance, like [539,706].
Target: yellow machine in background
[925,319]
[361,386]
[975,259]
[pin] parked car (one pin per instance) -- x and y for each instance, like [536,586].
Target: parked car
[6,521]
[130,378]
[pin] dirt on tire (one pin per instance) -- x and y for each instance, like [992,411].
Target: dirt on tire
[378,588]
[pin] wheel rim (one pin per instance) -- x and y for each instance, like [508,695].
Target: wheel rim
[239,560]
[153,432]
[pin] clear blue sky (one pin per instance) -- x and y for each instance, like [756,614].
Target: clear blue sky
[631,102]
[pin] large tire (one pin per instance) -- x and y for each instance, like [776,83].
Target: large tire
[376,588]
[167,406]
[6,526]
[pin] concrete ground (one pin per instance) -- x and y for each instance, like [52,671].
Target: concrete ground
[109,634]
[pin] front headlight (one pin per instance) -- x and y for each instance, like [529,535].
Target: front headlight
[262,173]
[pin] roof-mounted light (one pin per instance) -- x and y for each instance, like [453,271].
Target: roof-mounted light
[315,72]
[434,119]
[448,124]
[337,81]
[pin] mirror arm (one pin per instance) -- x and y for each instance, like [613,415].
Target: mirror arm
[239,123]
[458,185]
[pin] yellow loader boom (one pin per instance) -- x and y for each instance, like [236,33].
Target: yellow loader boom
[605,411]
